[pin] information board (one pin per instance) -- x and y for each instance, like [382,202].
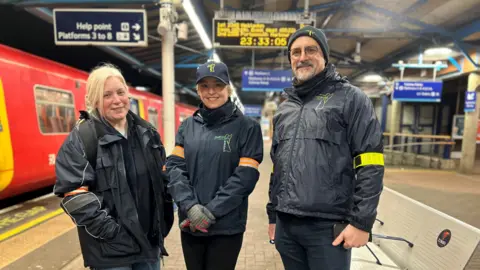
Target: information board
[253,34]
[104,27]
[266,80]
[253,110]
[416,91]
[470,101]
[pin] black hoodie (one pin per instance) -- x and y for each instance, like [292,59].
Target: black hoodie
[215,164]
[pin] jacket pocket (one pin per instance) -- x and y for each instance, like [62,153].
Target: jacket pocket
[121,245]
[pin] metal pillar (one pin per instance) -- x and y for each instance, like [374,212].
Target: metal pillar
[166,29]
[469,146]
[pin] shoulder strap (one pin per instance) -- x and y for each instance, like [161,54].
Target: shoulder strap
[88,134]
[89,141]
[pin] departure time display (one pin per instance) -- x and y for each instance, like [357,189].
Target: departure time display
[248,33]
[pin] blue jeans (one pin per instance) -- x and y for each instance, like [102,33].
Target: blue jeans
[305,243]
[137,266]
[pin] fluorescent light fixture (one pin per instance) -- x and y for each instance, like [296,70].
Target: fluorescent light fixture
[187,6]
[216,58]
[372,78]
[438,51]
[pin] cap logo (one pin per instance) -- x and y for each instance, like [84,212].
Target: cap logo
[211,67]
[309,32]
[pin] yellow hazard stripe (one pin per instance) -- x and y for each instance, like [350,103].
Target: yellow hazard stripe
[29,224]
[141,109]
[6,152]
[366,159]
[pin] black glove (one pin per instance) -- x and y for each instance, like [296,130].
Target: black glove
[200,218]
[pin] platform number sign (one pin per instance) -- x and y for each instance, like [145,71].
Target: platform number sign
[51,159]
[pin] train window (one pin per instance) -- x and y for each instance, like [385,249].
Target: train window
[55,110]
[153,117]
[134,105]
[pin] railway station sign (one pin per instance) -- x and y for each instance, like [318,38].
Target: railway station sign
[266,80]
[103,27]
[470,101]
[253,110]
[256,29]
[417,91]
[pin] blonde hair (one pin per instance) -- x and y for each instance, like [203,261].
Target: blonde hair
[96,84]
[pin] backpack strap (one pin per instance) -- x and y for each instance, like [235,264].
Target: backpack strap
[89,135]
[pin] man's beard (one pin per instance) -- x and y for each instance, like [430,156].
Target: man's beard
[303,75]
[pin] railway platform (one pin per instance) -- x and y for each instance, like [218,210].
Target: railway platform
[37,235]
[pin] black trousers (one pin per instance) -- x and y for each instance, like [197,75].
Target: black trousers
[305,243]
[219,252]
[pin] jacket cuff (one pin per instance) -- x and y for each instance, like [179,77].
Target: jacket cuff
[272,216]
[362,224]
[187,205]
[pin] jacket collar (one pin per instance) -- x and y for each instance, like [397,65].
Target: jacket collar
[218,115]
[302,91]
[134,124]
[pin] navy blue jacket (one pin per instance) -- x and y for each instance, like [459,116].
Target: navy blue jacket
[327,152]
[215,164]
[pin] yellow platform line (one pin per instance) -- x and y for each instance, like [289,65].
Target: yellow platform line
[29,224]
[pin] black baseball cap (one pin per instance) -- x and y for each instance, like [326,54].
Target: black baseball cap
[213,69]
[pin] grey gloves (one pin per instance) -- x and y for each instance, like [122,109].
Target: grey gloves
[199,218]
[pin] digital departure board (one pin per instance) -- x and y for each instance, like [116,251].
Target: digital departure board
[253,34]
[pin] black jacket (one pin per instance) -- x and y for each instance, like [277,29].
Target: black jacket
[215,164]
[327,153]
[108,223]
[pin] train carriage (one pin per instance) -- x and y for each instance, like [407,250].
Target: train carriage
[39,104]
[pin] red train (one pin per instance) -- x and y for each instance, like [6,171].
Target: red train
[39,104]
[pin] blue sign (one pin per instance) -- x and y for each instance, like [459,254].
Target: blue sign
[253,110]
[470,101]
[266,80]
[107,27]
[417,91]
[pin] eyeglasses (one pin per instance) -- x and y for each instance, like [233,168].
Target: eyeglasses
[309,51]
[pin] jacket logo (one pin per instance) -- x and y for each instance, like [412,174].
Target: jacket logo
[323,99]
[226,142]
[211,67]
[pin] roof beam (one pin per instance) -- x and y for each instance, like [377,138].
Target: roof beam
[44,3]
[467,30]
[47,15]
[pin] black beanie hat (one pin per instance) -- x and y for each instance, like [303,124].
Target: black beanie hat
[314,33]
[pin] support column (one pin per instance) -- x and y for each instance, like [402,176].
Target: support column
[168,76]
[394,120]
[469,141]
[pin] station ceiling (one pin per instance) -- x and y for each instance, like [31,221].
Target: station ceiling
[386,30]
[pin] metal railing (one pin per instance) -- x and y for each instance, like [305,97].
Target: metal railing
[432,145]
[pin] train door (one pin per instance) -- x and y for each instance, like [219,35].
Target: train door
[421,118]
[155,115]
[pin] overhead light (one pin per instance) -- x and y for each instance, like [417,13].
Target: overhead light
[216,58]
[188,7]
[438,51]
[372,78]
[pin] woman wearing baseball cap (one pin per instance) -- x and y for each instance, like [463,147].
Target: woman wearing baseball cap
[213,169]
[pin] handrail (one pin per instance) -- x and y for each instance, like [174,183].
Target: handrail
[420,143]
[440,137]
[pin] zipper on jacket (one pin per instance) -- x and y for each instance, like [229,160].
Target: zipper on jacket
[293,145]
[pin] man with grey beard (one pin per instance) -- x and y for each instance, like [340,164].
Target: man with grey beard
[327,153]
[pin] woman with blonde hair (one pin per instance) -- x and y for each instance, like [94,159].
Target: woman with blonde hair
[109,174]
[213,170]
